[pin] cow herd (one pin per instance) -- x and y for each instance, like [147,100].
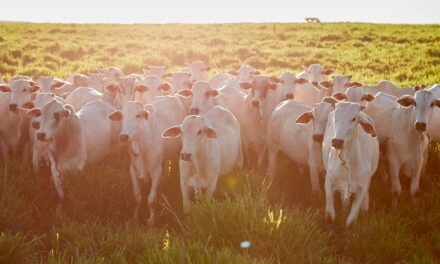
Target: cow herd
[335,128]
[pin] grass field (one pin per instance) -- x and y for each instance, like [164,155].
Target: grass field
[284,224]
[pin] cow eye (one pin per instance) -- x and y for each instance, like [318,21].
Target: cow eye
[432,104]
[24,90]
[199,132]
[138,116]
[354,119]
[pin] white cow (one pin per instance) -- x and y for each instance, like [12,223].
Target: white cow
[390,88]
[72,82]
[211,147]
[73,140]
[289,83]
[408,144]
[203,98]
[297,130]
[48,84]
[315,73]
[39,154]
[351,156]
[158,71]
[245,73]
[434,125]
[98,81]
[340,83]
[155,87]
[254,116]
[142,129]
[16,96]
[198,70]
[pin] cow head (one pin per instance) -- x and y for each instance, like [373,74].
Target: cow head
[355,95]
[195,130]
[135,116]
[21,91]
[318,116]
[260,87]
[180,81]
[199,71]
[202,97]
[422,103]
[347,119]
[97,80]
[289,82]
[317,73]
[53,115]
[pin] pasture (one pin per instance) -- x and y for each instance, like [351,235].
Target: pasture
[283,223]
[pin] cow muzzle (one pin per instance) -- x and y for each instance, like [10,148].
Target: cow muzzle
[124,138]
[185,156]
[194,111]
[13,107]
[289,96]
[337,143]
[255,103]
[420,126]
[41,136]
[318,138]
[36,125]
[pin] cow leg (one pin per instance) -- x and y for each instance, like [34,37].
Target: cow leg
[153,197]
[272,166]
[211,188]
[357,202]
[185,173]
[415,180]
[396,188]
[314,179]
[261,156]
[366,202]
[57,182]
[136,190]
[345,201]
[329,202]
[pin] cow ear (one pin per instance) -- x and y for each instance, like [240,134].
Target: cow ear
[406,101]
[172,132]
[141,88]
[112,87]
[326,84]
[330,100]
[57,85]
[328,71]
[4,88]
[355,84]
[34,88]
[437,102]
[209,132]
[273,86]
[35,112]
[29,105]
[301,81]
[145,114]
[367,124]
[349,77]
[115,116]
[305,118]
[368,97]
[340,96]
[185,92]
[213,93]
[165,87]
[233,72]
[256,72]
[245,85]
[275,79]
[419,87]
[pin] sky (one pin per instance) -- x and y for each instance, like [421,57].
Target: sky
[225,11]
